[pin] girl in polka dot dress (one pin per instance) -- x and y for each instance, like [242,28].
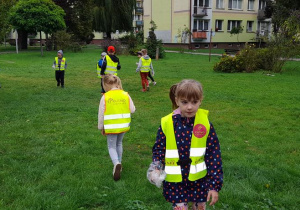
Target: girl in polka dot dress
[188,147]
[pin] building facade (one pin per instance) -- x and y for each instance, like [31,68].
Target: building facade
[209,21]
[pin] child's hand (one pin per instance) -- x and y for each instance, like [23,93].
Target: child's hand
[214,196]
[103,132]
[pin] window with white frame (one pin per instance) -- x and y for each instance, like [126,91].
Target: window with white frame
[219,25]
[201,25]
[262,4]
[233,24]
[250,26]
[263,27]
[250,4]
[235,4]
[219,4]
[201,3]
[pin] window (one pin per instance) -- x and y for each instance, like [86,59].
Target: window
[263,28]
[215,46]
[219,25]
[201,25]
[233,23]
[262,4]
[220,4]
[250,26]
[250,4]
[235,4]
[201,3]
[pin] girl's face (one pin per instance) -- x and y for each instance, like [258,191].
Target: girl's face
[188,108]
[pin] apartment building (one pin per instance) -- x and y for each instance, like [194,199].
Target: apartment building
[138,22]
[209,21]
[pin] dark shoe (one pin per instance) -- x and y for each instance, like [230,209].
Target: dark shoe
[58,84]
[62,86]
[117,172]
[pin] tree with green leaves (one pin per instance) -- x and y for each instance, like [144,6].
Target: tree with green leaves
[5,27]
[112,15]
[33,16]
[78,18]
[280,11]
[152,43]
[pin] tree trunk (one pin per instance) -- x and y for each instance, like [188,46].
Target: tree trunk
[108,35]
[22,39]
[41,43]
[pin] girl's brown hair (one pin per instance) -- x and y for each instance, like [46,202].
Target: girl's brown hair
[144,51]
[110,81]
[188,89]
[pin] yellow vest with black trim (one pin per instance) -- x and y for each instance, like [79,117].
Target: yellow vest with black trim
[111,67]
[62,64]
[145,65]
[197,150]
[117,116]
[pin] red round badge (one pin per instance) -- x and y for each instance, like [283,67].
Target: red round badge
[199,130]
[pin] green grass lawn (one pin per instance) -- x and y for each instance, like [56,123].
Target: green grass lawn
[53,157]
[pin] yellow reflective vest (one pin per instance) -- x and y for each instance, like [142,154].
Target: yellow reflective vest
[62,64]
[145,65]
[117,116]
[98,71]
[197,151]
[111,67]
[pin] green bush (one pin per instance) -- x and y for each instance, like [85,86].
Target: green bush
[251,59]
[229,64]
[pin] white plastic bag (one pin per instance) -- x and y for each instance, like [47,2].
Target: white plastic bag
[155,174]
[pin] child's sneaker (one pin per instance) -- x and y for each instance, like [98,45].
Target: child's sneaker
[154,83]
[147,88]
[143,90]
[117,171]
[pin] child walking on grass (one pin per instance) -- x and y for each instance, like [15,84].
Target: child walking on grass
[188,148]
[60,65]
[114,119]
[144,67]
[140,54]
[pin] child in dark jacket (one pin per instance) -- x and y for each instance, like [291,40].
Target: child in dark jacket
[110,64]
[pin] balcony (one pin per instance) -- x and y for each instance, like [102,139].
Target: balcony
[200,12]
[199,35]
[139,10]
[261,15]
[139,23]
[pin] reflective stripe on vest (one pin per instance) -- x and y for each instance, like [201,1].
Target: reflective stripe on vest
[62,64]
[197,151]
[145,65]
[111,67]
[117,115]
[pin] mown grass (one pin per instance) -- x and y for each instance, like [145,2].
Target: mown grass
[53,157]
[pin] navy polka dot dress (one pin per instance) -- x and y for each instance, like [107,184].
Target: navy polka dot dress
[190,191]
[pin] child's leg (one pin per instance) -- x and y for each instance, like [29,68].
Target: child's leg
[102,89]
[120,146]
[143,82]
[180,206]
[57,78]
[112,147]
[199,206]
[62,78]
[150,76]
